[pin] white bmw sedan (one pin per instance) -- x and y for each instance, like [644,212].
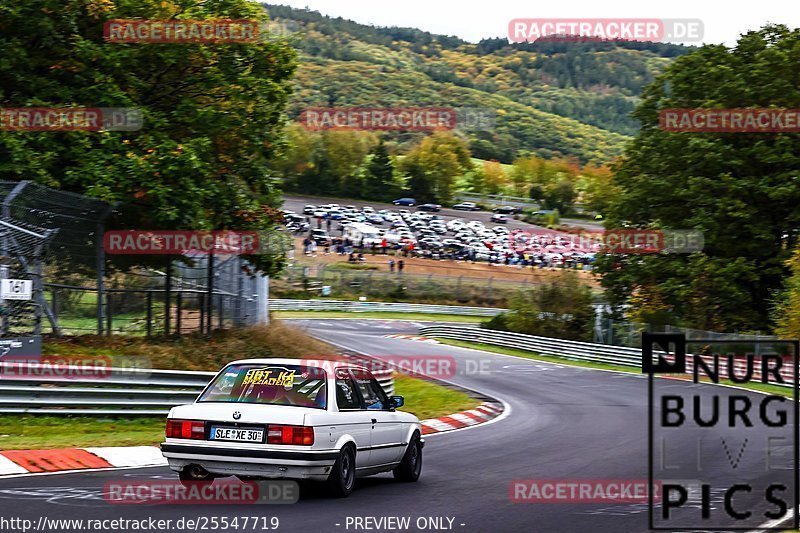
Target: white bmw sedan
[294,419]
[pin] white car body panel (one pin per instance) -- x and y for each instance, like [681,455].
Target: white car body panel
[379,436]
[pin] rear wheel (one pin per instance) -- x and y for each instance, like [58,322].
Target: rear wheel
[410,467]
[343,476]
[195,475]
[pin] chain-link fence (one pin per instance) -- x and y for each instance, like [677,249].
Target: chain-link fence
[55,239]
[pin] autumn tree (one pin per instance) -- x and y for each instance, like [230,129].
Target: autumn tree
[741,190]
[212,112]
[433,166]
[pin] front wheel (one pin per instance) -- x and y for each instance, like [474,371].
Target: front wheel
[410,467]
[343,476]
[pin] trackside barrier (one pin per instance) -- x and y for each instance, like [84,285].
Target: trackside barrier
[109,391]
[579,351]
[363,307]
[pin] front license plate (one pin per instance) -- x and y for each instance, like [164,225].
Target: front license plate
[237,434]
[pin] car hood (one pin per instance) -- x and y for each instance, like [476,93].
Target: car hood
[250,413]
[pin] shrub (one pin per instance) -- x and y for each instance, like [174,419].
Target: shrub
[562,310]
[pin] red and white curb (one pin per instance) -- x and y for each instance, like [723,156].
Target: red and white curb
[481,414]
[40,461]
[411,338]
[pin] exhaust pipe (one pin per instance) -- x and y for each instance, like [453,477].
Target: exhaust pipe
[197,472]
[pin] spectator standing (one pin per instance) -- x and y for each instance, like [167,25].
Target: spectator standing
[400,266]
[391,265]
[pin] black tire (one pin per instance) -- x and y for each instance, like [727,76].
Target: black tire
[342,478]
[410,467]
[195,475]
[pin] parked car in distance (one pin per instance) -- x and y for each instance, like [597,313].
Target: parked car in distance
[430,207]
[467,206]
[408,202]
[500,219]
[326,421]
[506,210]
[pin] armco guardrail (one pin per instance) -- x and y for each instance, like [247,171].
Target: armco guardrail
[82,390]
[582,351]
[362,307]
[585,351]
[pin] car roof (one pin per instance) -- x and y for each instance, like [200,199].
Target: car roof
[321,363]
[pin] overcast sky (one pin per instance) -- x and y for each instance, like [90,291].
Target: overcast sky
[473,20]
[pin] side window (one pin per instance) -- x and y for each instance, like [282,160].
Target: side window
[374,397]
[346,397]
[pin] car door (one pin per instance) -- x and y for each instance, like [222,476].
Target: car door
[387,429]
[352,418]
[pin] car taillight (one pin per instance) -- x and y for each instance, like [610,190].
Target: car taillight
[185,429]
[298,435]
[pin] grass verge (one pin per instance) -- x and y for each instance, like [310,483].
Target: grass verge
[194,351]
[427,399]
[26,432]
[770,389]
[422,317]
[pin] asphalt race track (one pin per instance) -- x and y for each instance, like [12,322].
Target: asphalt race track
[564,423]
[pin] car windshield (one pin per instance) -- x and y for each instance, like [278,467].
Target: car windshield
[272,384]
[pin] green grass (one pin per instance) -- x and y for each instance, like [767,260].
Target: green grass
[426,399]
[22,432]
[422,317]
[771,389]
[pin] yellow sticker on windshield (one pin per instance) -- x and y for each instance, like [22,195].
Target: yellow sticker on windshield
[279,377]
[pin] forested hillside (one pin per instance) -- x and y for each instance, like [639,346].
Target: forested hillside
[551,99]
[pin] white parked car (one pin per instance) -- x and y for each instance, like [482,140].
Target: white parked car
[456,224]
[325,421]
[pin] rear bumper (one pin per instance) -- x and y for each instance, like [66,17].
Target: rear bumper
[248,462]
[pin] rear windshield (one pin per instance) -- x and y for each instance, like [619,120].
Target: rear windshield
[292,385]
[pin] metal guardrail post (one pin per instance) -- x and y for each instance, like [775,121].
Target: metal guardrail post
[179,311]
[167,296]
[201,300]
[100,249]
[109,314]
[210,292]
[149,305]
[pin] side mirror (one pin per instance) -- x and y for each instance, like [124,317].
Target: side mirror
[396,401]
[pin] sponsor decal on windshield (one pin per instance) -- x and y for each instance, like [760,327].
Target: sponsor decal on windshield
[272,376]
